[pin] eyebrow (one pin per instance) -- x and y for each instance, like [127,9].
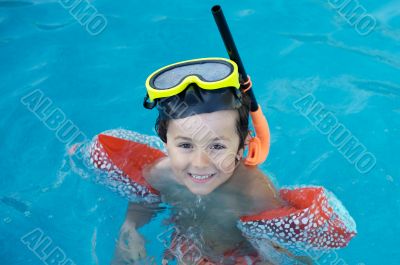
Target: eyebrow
[189,139]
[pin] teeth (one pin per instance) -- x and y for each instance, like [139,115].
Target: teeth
[201,176]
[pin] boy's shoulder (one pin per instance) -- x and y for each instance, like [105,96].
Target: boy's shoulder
[161,165]
[256,188]
[160,173]
[157,169]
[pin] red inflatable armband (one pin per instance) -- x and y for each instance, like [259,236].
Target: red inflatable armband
[315,219]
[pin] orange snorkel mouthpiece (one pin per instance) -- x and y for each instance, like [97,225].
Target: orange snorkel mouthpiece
[258,145]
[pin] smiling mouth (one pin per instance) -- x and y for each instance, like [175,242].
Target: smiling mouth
[201,178]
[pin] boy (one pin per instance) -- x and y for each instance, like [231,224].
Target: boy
[203,122]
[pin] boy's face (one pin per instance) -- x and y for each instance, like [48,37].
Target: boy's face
[202,149]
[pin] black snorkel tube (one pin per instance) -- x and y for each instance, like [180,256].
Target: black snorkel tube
[259,145]
[232,50]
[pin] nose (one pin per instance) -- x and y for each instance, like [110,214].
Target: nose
[200,159]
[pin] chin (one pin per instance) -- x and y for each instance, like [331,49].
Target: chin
[200,190]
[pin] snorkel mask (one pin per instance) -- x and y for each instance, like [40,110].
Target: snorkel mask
[193,87]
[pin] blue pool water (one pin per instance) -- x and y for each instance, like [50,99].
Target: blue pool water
[290,48]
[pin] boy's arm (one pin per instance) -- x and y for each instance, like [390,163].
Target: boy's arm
[292,213]
[266,197]
[312,221]
[130,245]
[139,214]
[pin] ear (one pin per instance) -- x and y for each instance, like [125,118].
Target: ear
[239,154]
[246,143]
[247,139]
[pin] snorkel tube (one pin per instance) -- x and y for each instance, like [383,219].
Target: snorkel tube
[258,145]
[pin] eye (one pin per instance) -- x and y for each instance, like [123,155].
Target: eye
[217,147]
[185,145]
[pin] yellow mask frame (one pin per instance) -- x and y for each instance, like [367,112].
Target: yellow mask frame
[199,71]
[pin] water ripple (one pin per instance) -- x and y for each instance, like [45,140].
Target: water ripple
[382,56]
[94,244]
[38,81]
[379,55]
[10,4]
[37,66]
[52,26]
[378,87]
[388,12]
[14,203]
[246,12]
[316,163]
[307,37]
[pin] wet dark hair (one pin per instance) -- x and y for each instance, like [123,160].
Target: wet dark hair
[242,123]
